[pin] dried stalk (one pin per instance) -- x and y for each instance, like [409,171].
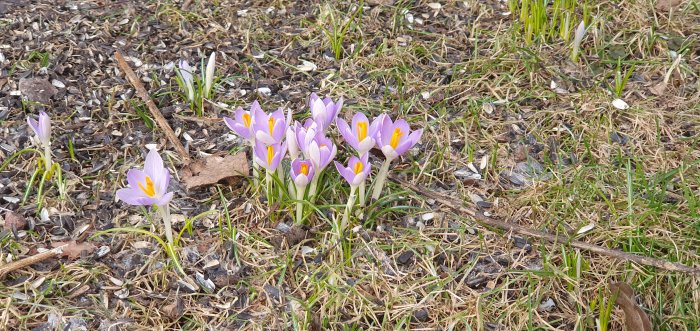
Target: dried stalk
[27,261]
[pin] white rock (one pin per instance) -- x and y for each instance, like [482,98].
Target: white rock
[58,83]
[264,91]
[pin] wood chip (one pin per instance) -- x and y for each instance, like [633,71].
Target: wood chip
[214,169]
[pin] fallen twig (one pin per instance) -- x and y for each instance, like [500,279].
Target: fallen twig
[456,207]
[160,120]
[27,261]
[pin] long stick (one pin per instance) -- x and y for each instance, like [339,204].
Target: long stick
[12,266]
[157,115]
[457,208]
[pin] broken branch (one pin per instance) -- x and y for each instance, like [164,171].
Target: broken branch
[157,115]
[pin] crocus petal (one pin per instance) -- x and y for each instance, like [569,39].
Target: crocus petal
[365,146]
[348,135]
[409,142]
[347,174]
[389,152]
[153,167]
[292,143]
[34,125]
[164,200]
[134,197]
[134,177]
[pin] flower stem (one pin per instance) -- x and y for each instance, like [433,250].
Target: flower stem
[167,223]
[348,208]
[268,186]
[256,166]
[300,205]
[381,178]
[363,187]
[47,157]
[280,176]
[313,187]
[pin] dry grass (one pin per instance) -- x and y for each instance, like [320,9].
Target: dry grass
[483,97]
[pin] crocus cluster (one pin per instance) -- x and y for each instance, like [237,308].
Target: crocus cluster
[196,89]
[311,150]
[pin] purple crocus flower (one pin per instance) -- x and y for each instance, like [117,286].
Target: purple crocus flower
[357,170]
[186,74]
[270,129]
[42,128]
[148,186]
[269,156]
[302,171]
[324,112]
[361,135]
[320,151]
[299,137]
[242,123]
[395,138]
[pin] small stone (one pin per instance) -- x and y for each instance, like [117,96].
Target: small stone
[58,83]
[102,251]
[405,258]
[283,227]
[547,305]
[421,315]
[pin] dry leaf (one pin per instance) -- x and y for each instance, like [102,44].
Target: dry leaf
[215,168]
[667,5]
[14,220]
[73,249]
[635,318]
[174,310]
[658,89]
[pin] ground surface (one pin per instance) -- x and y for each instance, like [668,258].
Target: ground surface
[498,136]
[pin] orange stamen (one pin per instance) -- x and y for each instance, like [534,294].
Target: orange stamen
[149,189]
[246,120]
[271,123]
[304,169]
[358,167]
[395,138]
[361,131]
[270,154]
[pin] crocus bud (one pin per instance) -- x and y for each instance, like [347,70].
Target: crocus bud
[42,128]
[324,112]
[186,74]
[578,38]
[209,76]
